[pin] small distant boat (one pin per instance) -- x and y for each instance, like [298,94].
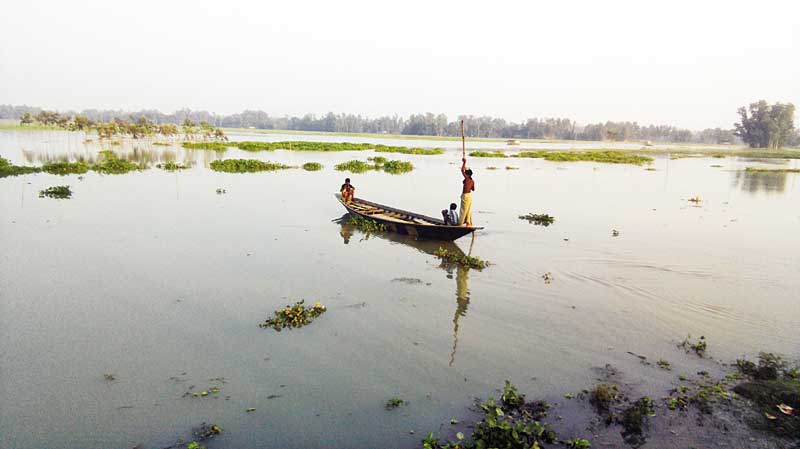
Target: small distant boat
[404,222]
[512,142]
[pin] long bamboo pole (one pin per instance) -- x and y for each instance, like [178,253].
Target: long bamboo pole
[463,142]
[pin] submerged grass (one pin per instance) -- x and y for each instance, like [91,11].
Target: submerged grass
[294,315]
[245,166]
[460,259]
[57,192]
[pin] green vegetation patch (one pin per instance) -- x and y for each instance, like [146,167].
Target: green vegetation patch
[512,423]
[772,170]
[171,166]
[331,146]
[57,192]
[355,166]
[488,154]
[312,166]
[606,156]
[7,169]
[578,443]
[397,167]
[245,165]
[404,150]
[538,219]
[602,397]
[65,168]
[460,259]
[366,225]
[376,163]
[215,146]
[699,347]
[634,420]
[111,164]
[296,315]
[393,403]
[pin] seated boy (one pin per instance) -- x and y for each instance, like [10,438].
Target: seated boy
[450,217]
[348,191]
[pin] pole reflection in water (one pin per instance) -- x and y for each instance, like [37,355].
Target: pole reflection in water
[427,247]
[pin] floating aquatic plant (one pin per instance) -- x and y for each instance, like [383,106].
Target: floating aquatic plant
[699,347]
[393,403]
[607,156]
[296,315]
[110,163]
[354,166]
[214,146]
[538,219]
[772,170]
[460,259]
[57,192]
[312,166]
[171,166]
[246,165]
[488,154]
[397,167]
[8,169]
[506,424]
[332,146]
[578,443]
[65,168]
[366,225]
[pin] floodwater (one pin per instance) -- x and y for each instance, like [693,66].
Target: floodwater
[157,279]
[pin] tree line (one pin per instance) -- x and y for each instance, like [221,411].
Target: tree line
[439,125]
[134,127]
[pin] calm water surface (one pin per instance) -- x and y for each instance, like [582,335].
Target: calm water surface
[156,278]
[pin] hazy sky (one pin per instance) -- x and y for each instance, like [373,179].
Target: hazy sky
[688,63]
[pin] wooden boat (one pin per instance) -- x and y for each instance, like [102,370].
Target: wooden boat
[404,222]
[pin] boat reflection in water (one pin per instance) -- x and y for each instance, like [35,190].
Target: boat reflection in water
[461,273]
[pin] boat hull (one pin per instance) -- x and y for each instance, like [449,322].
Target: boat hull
[403,222]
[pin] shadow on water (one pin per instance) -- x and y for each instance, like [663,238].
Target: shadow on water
[461,273]
[754,182]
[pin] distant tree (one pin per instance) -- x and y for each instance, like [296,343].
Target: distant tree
[766,126]
[26,119]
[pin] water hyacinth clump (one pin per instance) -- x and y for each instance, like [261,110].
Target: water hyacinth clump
[65,168]
[332,146]
[397,167]
[312,166]
[296,315]
[354,166]
[605,156]
[171,166]
[538,219]
[57,192]
[488,154]
[111,164]
[460,259]
[214,146]
[7,169]
[366,225]
[245,165]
